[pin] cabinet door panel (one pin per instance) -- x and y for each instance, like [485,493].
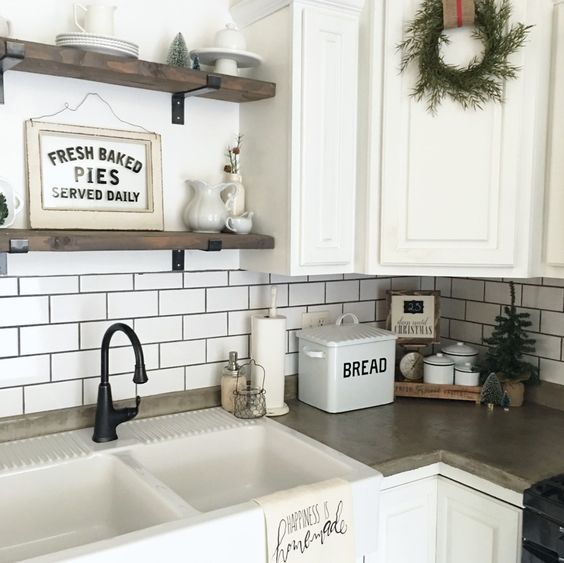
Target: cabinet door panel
[327,137]
[407,527]
[474,527]
[451,182]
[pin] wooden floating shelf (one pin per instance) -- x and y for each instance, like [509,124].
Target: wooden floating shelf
[74,241]
[40,58]
[420,390]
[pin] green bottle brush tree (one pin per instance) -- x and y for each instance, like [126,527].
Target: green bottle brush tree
[508,344]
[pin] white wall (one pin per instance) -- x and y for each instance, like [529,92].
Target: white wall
[195,150]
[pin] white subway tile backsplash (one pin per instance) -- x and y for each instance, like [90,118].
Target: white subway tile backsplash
[184,353]
[133,304]
[243,277]
[548,298]
[240,321]
[227,299]
[219,348]
[206,325]
[453,308]
[71,308]
[8,343]
[293,316]
[547,346]
[335,310]
[552,323]
[204,375]
[87,363]
[276,278]
[162,381]
[261,296]
[49,285]
[182,301]
[327,277]
[106,282]
[406,284]
[342,291]
[22,311]
[48,338]
[364,310]
[159,329]
[168,280]
[53,396]
[374,288]
[551,371]
[463,331]
[8,287]
[291,364]
[24,370]
[499,292]
[92,333]
[11,401]
[293,341]
[444,285]
[205,279]
[468,289]
[306,293]
[484,313]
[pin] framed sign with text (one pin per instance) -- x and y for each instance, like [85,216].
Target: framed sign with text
[414,316]
[86,178]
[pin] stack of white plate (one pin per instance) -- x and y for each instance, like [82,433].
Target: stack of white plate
[104,44]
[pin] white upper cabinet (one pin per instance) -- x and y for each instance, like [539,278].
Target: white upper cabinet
[459,192]
[553,256]
[299,161]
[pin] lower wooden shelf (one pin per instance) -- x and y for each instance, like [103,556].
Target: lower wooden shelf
[420,390]
[74,241]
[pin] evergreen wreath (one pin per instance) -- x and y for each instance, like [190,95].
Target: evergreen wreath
[480,81]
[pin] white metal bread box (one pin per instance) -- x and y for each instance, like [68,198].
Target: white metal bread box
[344,367]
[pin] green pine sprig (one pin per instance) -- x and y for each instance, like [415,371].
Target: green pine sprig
[4,211]
[482,80]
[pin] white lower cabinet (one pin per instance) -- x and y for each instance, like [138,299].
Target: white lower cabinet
[473,527]
[407,527]
[437,520]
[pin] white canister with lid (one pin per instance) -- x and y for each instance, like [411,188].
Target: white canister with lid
[438,369]
[461,353]
[465,375]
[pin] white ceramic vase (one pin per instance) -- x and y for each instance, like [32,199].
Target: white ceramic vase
[237,194]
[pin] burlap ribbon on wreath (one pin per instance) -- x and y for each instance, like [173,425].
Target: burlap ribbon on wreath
[458,13]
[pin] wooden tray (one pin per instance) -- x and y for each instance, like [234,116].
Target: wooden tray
[422,390]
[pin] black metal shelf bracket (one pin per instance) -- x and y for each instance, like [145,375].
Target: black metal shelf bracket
[13,54]
[213,83]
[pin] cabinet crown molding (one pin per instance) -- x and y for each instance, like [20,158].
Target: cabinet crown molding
[248,12]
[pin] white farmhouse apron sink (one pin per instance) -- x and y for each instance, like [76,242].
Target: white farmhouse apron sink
[179,486]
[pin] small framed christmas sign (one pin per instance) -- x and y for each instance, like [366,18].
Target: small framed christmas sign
[414,316]
[85,178]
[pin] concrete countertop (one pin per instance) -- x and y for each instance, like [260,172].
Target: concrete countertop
[513,449]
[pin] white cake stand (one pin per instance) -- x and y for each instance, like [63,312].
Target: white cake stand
[227,61]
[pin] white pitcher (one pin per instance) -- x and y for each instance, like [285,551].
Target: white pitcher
[206,212]
[98,18]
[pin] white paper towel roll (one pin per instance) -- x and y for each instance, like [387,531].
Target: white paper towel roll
[268,348]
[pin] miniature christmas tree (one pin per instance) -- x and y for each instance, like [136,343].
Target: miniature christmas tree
[178,53]
[4,212]
[508,343]
[196,63]
[505,401]
[492,393]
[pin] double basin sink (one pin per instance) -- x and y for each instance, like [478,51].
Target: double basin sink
[178,486]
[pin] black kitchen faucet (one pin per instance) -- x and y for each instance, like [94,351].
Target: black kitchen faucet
[108,417]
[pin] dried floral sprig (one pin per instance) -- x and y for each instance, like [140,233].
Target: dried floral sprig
[233,154]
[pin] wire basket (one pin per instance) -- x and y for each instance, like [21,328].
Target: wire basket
[250,402]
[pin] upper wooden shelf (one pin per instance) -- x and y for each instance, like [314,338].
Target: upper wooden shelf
[39,58]
[69,241]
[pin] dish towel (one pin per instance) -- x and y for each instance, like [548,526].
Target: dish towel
[310,524]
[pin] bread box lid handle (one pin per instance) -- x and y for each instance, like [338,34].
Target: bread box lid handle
[354,318]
